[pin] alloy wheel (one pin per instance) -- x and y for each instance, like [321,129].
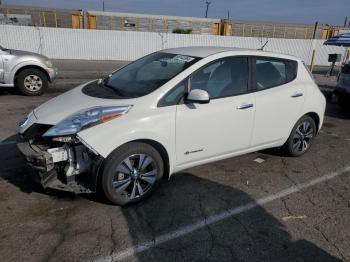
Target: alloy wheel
[303,136]
[135,176]
[33,83]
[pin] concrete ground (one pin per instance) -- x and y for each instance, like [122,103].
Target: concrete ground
[258,207]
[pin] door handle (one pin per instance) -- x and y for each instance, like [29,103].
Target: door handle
[297,94]
[245,106]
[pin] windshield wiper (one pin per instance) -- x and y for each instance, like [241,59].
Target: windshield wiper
[105,84]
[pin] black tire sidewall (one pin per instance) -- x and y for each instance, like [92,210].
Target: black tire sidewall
[31,71]
[344,102]
[113,161]
[289,144]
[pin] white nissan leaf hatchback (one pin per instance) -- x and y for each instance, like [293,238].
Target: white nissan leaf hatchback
[171,110]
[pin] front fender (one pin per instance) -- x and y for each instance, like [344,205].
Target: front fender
[158,126]
[14,70]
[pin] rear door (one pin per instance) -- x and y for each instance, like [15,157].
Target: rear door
[279,97]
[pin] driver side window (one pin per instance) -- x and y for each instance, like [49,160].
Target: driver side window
[223,78]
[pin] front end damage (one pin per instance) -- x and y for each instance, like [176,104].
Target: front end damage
[63,163]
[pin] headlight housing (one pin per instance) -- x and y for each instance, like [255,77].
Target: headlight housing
[86,118]
[48,63]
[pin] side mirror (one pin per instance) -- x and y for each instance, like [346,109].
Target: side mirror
[198,96]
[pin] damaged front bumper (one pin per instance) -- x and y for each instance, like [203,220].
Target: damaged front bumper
[65,166]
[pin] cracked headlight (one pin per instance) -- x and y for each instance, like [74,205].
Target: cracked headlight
[86,118]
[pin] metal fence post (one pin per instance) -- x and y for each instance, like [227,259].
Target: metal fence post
[312,60]
[55,17]
[44,18]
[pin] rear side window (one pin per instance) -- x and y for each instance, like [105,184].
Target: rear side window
[271,72]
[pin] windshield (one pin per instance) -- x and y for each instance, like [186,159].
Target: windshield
[148,74]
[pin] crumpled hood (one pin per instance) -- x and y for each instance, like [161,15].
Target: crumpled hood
[62,106]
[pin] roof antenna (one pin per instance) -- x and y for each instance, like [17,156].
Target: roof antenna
[263,46]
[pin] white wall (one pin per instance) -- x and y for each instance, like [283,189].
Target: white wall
[61,43]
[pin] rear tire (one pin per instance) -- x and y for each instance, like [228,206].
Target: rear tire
[32,82]
[301,137]
[132,173]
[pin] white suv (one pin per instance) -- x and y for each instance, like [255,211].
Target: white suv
[168,111]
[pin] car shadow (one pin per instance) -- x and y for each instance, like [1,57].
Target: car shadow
[186,199]
[334,110]
[4,91]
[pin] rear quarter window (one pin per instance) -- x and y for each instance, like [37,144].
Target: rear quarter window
[271,72]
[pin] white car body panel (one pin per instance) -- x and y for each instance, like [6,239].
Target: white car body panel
[209,130]
[216,130]
[73,101]
[274,109]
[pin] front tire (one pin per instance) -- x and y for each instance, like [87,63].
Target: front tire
[132,173]
[32,82]
[301,137]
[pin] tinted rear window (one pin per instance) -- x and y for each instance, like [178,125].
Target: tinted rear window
[272,72]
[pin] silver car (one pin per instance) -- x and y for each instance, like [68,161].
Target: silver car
[29,72]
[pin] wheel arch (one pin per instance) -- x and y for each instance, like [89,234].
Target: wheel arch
[156,145]
[316,118]
[21,69]
[162,151]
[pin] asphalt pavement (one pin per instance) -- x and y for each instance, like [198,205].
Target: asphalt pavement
[258,207]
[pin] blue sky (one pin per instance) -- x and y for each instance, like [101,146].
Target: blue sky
[294,11]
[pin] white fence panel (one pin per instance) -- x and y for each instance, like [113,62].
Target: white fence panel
[62,43]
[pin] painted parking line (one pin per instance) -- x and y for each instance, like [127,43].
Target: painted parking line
[259,160]
[161,239]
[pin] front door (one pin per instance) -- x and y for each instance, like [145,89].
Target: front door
[224,125]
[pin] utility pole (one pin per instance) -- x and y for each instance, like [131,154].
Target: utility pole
[315,30]
[206,11]
[103,5]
